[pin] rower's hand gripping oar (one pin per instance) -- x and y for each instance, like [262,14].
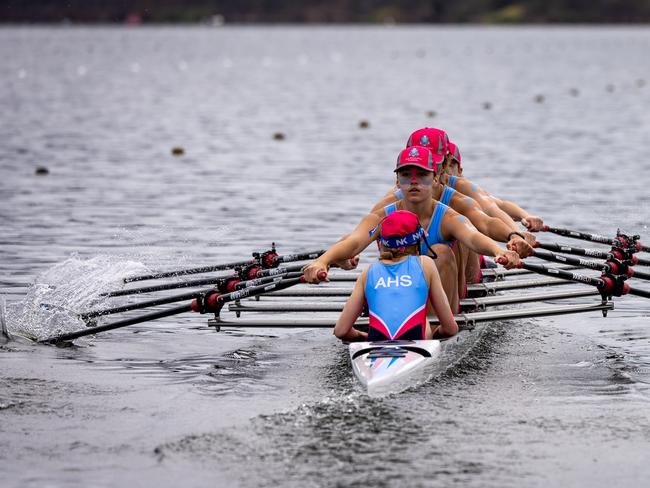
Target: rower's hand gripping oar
[585,236]
[267,259]
[211,302]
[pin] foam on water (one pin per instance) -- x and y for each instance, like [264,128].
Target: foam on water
[54,302]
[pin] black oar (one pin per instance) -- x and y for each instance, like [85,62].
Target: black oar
[211,302]
[608,285]
[612,266]
[185,296]
[268,259]
[594,253]
[465,321]
[217,281]
[585,236]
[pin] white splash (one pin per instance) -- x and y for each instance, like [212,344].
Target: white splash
[53,303]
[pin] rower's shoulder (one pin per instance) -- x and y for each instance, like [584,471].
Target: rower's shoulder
[466,186]
[462,202]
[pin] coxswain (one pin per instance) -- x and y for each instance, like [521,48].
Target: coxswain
[397,289]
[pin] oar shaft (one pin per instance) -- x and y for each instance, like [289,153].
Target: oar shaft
[116,325]
[565,275]
[594,253]
[585,236]
[183,272]
[186,296]
[168,286]
[638,292]
[556,258]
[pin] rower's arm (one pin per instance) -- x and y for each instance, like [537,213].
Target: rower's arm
[491,226]
[344,328]
[532,222]
[438,298]
[458,227]
[346,248]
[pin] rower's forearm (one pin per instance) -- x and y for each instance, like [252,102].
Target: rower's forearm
[342,250]
[493,227]
[496,212]
[512,209]
[482,244]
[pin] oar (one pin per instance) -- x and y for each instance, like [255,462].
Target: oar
[480,289]
[211,302]
[466,321]
[585,236]
[466,304]
[185,296]
[608,285]
[217,281]
[594,253]
[612,266]
[268,259]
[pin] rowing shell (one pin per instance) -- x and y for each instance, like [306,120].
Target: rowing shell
[392,366]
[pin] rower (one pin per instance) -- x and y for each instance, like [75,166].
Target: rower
[397,289]
[507,211]
[467,262]
[415,171]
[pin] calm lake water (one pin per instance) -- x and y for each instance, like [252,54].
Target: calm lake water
[554,118]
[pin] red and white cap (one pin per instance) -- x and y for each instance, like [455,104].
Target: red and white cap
[400,229]
[435,139]
[418,156]
[455,152]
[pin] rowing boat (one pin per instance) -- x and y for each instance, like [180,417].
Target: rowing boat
[389,367]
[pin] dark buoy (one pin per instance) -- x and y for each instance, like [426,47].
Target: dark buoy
[42,170]
[178,151]
[487,105]
[431,113]
[609,88]
[574,92]
[640,82]
[364,124]
[278,136]
[539,98]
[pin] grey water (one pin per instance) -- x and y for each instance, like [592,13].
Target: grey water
[555,119]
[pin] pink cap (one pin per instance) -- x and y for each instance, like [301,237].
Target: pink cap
[435,139]
[418,156]
[400,229]
[454,151]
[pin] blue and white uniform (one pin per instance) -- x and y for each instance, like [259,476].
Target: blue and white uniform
[397,296]
[434,235]
[452,182]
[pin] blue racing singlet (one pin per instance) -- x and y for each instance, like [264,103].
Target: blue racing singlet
[447,194]
[434,235]
[397,296]
[399,194]
[452,182]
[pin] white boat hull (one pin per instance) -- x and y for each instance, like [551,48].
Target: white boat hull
[392,366]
